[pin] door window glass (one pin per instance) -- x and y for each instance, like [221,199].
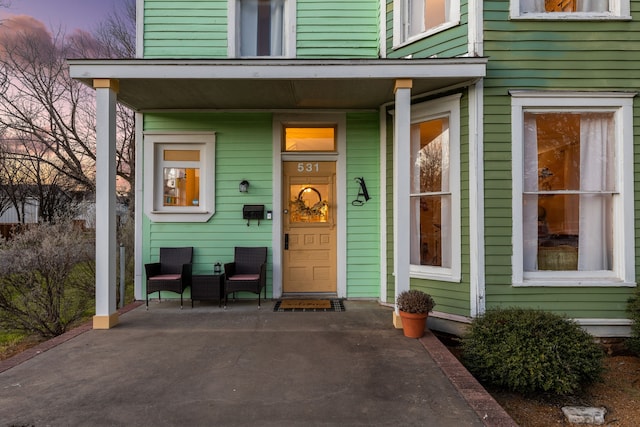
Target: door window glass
[310,139]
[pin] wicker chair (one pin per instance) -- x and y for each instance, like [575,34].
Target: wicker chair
[172,273]
[247,272]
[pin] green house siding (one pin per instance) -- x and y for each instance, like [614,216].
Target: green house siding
[449,43]
[363,222]
[244,150]
[185,29]
[450,297]
[337,29]
[198,29]
[546,55]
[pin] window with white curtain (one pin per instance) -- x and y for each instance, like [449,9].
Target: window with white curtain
[260,25]
[434,193]
[568,9]
[414,19]
[573,186]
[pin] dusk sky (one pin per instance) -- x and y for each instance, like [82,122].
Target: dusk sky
[66,14]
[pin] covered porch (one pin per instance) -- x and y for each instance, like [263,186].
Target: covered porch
[271,85]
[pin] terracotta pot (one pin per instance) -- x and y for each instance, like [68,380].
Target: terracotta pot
[414,324]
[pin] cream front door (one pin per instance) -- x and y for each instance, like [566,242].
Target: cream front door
[309,226]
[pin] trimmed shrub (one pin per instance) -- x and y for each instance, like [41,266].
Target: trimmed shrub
[633,308]
[531,351]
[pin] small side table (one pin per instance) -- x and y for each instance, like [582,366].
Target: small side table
[207,287]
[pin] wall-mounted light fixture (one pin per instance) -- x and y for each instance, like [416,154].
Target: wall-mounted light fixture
[244,186]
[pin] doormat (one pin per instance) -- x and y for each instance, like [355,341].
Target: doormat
[309,305]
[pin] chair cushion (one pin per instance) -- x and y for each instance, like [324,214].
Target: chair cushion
[244,277]
[166,277]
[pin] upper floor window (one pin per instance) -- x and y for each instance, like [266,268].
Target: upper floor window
[570,9]
[435,190]
[414,19]
[261,28]
[572,165]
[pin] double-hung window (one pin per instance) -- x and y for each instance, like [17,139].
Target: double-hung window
[573,189]
[260,28]
[179,176]
[570,9]
[414,19]
[435,190]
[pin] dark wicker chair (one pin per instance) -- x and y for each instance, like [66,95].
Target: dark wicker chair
[247,272]
[172,273]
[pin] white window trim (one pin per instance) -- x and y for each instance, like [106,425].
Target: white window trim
[153,208]
[398,24]
[289,30]
[621,104]
[620,10]
[445,107]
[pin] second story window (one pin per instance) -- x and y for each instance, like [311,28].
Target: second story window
[551,6]
[572,9]
[414,19]
[260,26]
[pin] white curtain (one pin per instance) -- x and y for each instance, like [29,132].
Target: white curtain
[530,203]
[592,5]
[249,31]
[277,25]
[248,27]
[537,6]
[415,16]
[596,174]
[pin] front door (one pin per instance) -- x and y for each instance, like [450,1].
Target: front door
[309,226]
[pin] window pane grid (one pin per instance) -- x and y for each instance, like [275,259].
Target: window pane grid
[569,185]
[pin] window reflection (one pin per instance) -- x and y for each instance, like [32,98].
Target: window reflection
[307,203]
[181,186]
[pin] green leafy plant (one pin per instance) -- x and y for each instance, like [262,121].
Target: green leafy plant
[415,301]
[531,351]
[633,308]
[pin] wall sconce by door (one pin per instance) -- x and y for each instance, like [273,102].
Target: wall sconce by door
[244,186]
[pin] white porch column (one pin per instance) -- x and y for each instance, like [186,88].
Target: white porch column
[401,188]
[106,313]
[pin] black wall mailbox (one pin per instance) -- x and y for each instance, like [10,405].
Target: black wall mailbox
[250,212]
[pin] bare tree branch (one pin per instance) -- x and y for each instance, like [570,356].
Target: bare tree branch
[40,104]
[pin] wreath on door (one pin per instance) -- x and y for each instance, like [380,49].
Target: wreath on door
[318,209]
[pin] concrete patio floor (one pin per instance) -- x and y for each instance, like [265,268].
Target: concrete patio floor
[242,366]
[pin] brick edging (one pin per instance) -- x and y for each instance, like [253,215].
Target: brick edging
[53,342]
[484,405]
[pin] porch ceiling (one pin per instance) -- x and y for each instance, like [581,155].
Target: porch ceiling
[147,85]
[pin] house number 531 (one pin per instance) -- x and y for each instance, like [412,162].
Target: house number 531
[308,167]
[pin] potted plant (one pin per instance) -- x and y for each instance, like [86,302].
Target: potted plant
[414,307]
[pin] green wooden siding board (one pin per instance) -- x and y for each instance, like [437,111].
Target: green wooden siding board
[337,29]
[214,240]
[363,223]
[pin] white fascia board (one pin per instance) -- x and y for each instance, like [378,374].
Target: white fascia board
[282,70]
